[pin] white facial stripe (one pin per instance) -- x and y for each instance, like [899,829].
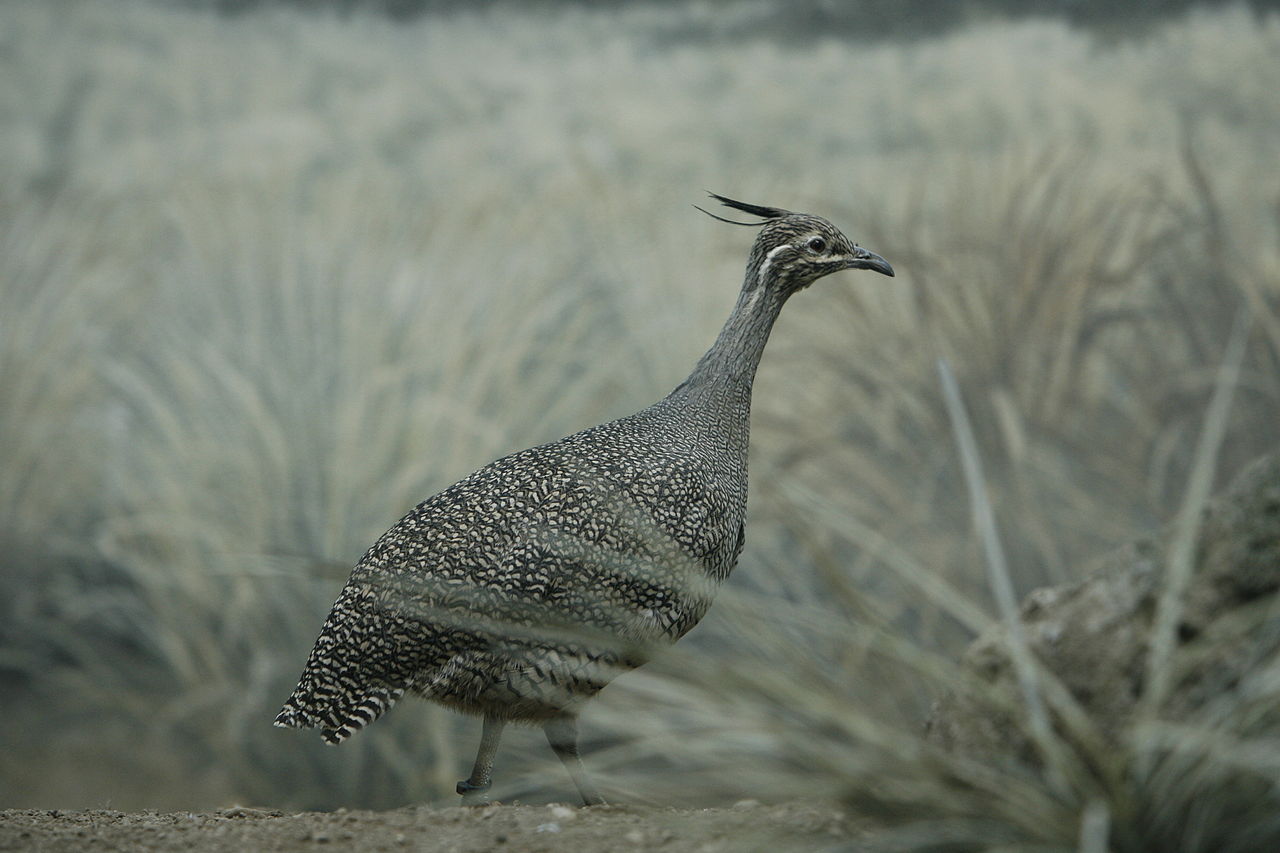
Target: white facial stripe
[768,259]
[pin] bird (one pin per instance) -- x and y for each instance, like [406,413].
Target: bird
[519,592]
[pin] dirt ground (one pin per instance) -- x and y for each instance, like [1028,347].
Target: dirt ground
[747,826]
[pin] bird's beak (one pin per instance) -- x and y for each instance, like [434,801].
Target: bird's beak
[864,260]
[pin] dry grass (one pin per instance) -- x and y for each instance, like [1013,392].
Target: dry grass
[268,281]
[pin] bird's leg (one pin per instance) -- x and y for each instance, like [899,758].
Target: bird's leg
[475,790]
[562,734]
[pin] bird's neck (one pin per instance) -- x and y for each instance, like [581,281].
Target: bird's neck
[723,376]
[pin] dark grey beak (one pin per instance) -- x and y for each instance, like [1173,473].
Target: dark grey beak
[864,260]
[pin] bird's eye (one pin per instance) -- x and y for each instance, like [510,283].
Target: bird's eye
[817,245]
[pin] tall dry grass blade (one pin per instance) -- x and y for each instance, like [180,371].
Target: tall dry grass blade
[940,592]
[1182,549]
[1095,828]
[984,523]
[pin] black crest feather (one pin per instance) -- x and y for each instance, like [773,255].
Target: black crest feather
[754,209]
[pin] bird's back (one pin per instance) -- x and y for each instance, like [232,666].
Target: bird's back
[525,587]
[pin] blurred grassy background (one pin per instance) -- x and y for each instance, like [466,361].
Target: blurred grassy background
[268,279]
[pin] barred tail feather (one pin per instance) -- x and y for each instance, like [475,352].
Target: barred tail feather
[364,712]
[352,675]
[338,724]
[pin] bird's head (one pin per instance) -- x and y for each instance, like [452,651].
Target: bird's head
[793,250]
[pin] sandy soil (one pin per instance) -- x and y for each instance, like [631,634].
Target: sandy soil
[516,828]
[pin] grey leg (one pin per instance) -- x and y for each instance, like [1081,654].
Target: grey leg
[475,790]
[562,734]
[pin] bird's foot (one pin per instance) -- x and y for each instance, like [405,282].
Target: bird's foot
[472,794]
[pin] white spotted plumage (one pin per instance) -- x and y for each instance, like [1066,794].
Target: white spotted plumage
[523,589]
